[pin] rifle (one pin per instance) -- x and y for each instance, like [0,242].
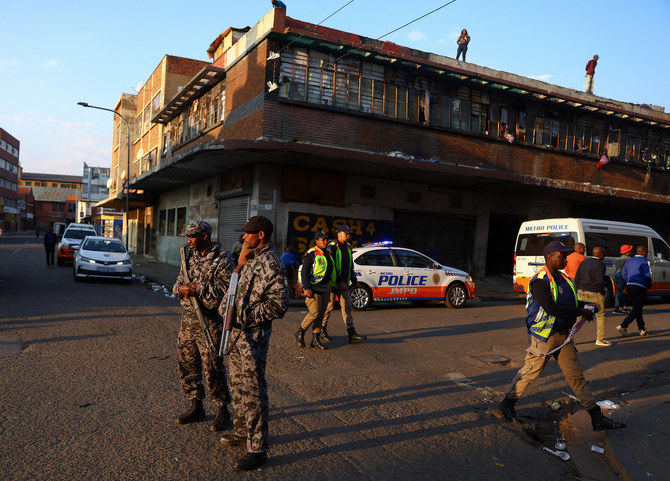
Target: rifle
[204,325]
[228,316]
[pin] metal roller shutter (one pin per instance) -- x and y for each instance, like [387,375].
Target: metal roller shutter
[233,213]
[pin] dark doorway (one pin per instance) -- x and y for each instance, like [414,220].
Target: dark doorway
[503,229]
[448,240]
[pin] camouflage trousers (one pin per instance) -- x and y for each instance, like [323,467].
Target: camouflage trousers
[195,357]
[248,386]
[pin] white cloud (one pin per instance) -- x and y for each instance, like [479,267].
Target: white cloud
[51,63]
[544,77]
[416,35]
[9,64]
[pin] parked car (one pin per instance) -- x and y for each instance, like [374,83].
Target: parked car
[72,237]
[389,274]
[102,257]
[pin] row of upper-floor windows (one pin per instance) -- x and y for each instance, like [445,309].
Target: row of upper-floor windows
[30,183]
[55,207]
[9,148]
[202,114]
[8,184]
[319,78]
[7,201]
[8,166]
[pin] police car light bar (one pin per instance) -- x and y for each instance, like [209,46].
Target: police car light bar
[382,243]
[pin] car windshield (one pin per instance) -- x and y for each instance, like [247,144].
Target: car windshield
[78,233]
[412,259]
[104,245]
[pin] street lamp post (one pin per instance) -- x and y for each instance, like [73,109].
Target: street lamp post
[84,104]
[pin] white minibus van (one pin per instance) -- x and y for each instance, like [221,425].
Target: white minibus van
[610,235]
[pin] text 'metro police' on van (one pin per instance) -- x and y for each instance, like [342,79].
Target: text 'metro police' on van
[610,235]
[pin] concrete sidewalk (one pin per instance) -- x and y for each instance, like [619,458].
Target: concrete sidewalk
[635,453]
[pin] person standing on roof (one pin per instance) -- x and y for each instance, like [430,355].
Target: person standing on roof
[462,42]
[590,72]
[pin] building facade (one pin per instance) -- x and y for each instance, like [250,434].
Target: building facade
[10,216]
[315,127]
[94,189]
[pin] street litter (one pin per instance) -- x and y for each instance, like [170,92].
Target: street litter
[608,405]
[574,398]
[597,449]
[560,446]
[561,454]
[556,406]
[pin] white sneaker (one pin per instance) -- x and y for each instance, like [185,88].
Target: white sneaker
[622,330]
[603,343]
[643,332]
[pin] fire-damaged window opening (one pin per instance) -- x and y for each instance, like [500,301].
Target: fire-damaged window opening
[316,77]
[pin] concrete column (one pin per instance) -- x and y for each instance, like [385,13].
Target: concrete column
[481,245]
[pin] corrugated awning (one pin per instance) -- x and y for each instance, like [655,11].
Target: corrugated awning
[199,85]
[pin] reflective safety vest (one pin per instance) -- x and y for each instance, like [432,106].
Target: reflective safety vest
[539,322]
[338,260]
[320,267]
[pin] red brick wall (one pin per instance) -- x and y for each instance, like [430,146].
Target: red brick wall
[327,127]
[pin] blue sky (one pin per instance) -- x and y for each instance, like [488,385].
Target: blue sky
[55,54]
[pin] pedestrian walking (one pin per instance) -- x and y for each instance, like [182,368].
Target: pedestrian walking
[552,309]
[345,279]
[50,241]
[200,286]
[589,281]
[574,259]
[290,263]
[590,72]
[318,278]
[637,274]
[620,299]
[463,41]
[261,298]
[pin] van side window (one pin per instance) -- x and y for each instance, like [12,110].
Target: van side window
[661,250]
[611,242]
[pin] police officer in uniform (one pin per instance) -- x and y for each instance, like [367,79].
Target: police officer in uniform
[262,297]
[209,267]
[345,278]
[318,278]
[553,308]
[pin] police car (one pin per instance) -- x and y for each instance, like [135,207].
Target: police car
[387,273]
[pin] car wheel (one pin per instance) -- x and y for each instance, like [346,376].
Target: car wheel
[456,295]
[609,293]
[361,297]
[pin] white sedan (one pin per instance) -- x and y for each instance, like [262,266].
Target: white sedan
[102,257]
[386,273]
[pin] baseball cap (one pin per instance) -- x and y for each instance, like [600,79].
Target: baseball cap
[197,227]
[625,249]
[257,223]
[556,246]
[344,228]
[319,234]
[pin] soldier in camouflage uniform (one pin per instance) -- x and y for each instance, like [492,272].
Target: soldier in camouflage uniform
[262,296]
[209,268]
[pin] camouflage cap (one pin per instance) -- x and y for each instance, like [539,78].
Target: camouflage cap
[197,227]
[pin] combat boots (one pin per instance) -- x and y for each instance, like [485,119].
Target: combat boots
[324,335]
[599,422]
[316,341]
[354,337]
[506,408]
[300,337]
[195,413]
[222,419]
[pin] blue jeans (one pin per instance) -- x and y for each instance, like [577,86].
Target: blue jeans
[620,300]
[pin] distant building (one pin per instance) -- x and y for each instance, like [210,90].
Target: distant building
[9,171]
[53,204]
[26,208]
[94,189]
[58,181]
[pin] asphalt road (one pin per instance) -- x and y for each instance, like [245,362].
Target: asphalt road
[89,388]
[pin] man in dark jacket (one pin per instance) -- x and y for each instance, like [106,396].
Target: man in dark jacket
[50,241]
[345,278]
[553,309]
[589,282]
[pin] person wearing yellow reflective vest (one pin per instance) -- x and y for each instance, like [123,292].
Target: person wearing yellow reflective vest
[317,276]
[553,308]
[345,278]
